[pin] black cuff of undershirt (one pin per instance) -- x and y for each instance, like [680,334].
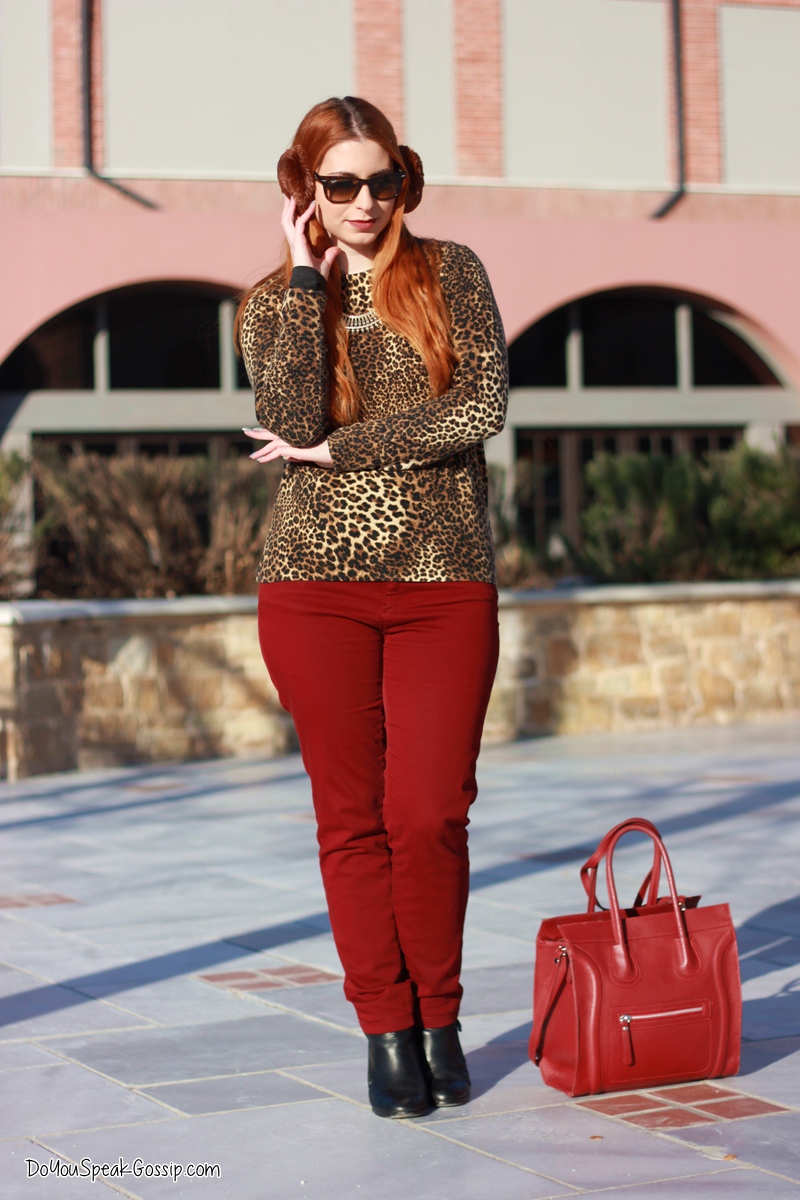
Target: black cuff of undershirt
[308,279]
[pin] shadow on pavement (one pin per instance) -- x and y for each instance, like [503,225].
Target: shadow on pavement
[68,992]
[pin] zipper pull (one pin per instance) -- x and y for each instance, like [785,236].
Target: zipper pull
[627,1041]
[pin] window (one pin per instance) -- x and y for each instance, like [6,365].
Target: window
[628,341]
[163,340]
[631,371]
[632,339]
[551,464]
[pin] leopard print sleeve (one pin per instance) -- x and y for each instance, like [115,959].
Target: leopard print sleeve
[284,350]
[472,409]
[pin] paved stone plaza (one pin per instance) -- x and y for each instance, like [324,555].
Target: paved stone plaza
[171,994]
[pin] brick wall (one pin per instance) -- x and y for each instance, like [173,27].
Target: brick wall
[479,87]
[379,77]
[65,17]
[379,57]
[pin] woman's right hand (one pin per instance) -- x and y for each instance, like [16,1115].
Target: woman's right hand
[294,227]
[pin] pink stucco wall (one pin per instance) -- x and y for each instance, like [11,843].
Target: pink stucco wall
[53,259]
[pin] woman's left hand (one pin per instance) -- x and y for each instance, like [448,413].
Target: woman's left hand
[275,447]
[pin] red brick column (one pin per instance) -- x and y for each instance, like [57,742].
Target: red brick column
[98,110]
[701,91]
[479,87]
[379,57]
[65,17]
[67,64]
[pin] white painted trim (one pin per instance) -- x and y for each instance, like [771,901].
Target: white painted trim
[655,408]
[39,612]
[653,593]
[129,411]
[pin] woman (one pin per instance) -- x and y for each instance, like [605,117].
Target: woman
[378,363]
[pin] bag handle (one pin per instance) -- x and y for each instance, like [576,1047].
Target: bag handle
[688,963]
[653,876]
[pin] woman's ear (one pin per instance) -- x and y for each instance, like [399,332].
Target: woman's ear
[295,177]
[416,178]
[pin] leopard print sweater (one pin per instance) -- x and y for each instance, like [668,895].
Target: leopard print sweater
[407,496]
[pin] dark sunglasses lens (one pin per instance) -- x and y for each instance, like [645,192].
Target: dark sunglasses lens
[341,191]
[385,187]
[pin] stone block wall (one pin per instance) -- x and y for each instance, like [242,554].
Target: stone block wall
[646,658]
[102,683]
[144,681]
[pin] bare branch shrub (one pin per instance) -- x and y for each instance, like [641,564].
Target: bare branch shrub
[15,542]
[120,526]
[242,499]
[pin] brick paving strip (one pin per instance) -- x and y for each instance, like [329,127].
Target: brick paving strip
[680,1106]
[35,900]
[296,975]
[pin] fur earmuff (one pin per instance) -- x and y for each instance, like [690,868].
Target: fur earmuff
[416,178]
[295,177]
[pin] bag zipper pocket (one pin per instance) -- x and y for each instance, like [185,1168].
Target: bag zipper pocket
[626,1020]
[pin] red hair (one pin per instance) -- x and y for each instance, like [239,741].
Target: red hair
[406,290]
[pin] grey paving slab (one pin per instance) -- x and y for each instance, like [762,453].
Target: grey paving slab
[36,1180]
[502,1081]
[771,1068]
[784,954]
[190,869]
[20,1056]
[771,1005]
[772,1142]
[742,1182]
[259,1090]
[314,1152]
[514,1026]
[324,1000]
[180,1001]
[60,1097]
[497,989]
[560,1142]
[259,1043]
[32,1008]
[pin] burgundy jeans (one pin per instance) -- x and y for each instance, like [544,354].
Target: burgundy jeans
[388,685]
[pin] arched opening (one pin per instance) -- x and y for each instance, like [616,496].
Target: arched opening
[636,338]
[158,336]
[149,367]
[638,369]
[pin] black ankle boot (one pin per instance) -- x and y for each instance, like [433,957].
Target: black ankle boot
[396,1084]
[444,1066]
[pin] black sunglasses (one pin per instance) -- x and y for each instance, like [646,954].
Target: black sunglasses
[343,189]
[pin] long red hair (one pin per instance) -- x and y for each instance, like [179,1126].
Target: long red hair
[406,290]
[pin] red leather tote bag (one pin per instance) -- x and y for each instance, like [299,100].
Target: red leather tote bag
[637,997]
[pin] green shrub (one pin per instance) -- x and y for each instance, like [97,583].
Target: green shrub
[735,515]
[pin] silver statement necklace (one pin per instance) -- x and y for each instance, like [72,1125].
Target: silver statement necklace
[356,322]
